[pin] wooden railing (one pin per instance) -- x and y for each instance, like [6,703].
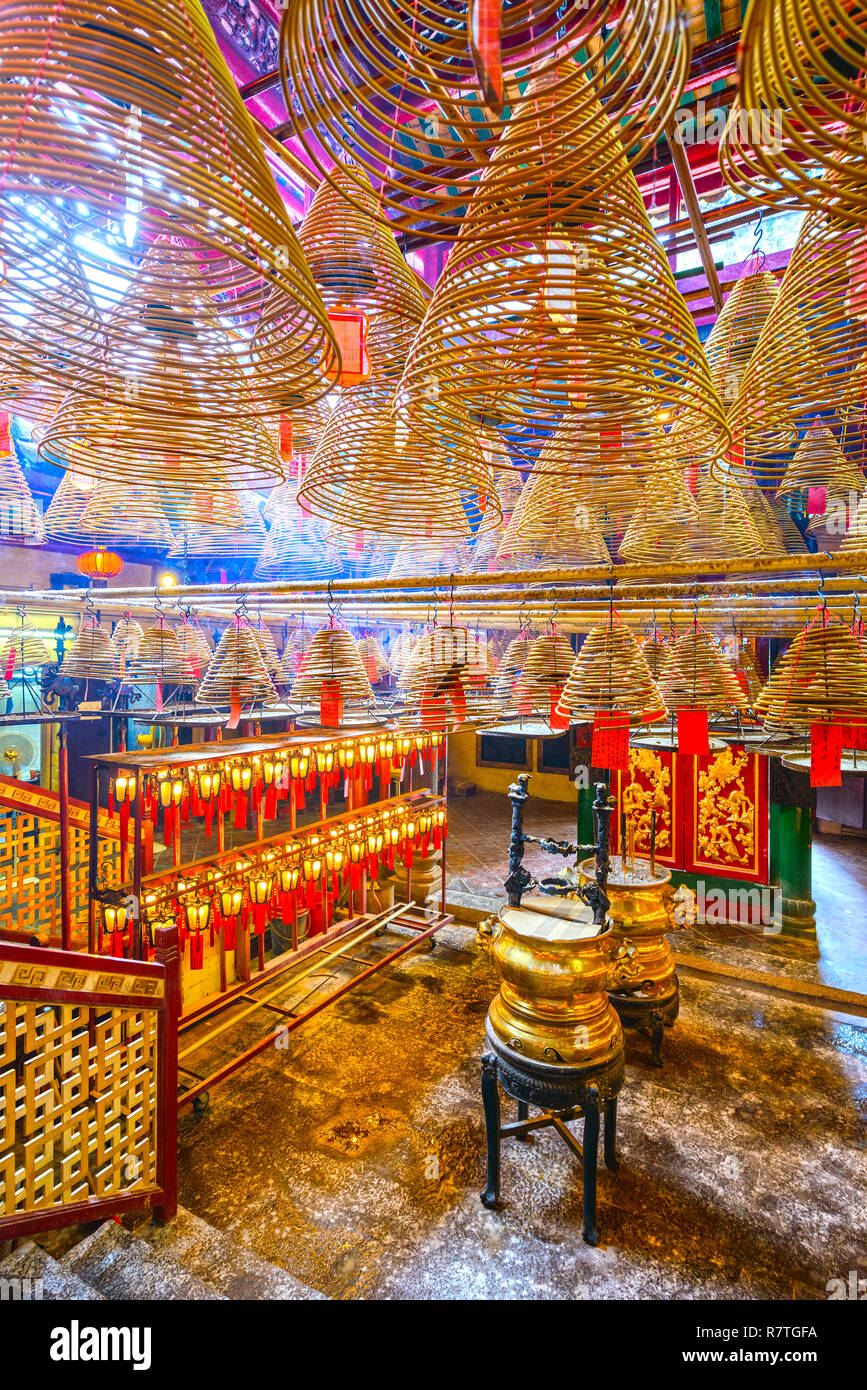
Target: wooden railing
[88,1085]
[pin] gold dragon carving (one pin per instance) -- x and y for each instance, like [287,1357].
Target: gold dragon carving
[639,799]
[726,814]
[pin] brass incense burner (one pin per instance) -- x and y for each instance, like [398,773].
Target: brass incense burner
[641,910]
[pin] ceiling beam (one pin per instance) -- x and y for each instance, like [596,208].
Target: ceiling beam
[690,198]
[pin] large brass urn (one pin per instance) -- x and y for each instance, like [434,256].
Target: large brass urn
[552,1010]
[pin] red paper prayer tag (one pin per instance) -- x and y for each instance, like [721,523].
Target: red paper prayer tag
[610,746]
[286,435]
[234,711]
[555,720]
[854,736]
[5,445]
[825,746]
[485,45]
[816,501]
[350,331]
[692,731]
[330,704]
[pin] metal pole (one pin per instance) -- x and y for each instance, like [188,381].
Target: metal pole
[63,778]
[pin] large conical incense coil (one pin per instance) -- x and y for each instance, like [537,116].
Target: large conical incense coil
[765,519]
[797,127]
[185,357]
[295,548]
[821,679]
[196,650]
[132,516]
[696,675]
[373,658]
[733,338]
[297,645]
[450,682]
[553,521]
[62,518]
[401,652]
[747,672]
[159,657]
[414,558]
[549,661]
[655,529]
[353,257]
[723,529]
[423,125]
[610,675]
[134,109]
[264,639]
[35,401]
[358,475]
[332,659]
[655,652]
[297,434]
[511,665]
[237,674]
[793,541]
[239,542]
[807,361]
[24,646]
[856,536]
[92,654]
[558,300]
[48,317]
[819,462]
[19,517]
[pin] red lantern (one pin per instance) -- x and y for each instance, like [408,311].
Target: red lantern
[99,564]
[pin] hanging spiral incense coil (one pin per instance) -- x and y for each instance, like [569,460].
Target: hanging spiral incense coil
[401,652]
[264,639]
[332,659]
[732,340]
[131,516]
[25,646]
[195,540]
[449,682]
[809,360]
[655,652]
[358,475]
[163,433]
[134,110]
[798,124]
[419,127]
[290,550]
[126,639]
[414,558]
[557,300]
[820,679]
[765,519]
[549,661]
[696,675]
[236,674]
[793,541]
[723,528]
[655,529]
[62,519]
[19,518]
[509,670]
[196,650]
[610,675]
[92,654]
[819,462]
[159,657]
[373,658]
[354,259]
[747,673]
[553,520]
[35,401]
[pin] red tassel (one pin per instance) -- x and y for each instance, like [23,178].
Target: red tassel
[197,950]
[300,803]
[111,803]
[271,803]
[240,811]
[159,699]
[230,933]
[209,818]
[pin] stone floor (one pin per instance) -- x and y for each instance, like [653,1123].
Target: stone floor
[353,1159]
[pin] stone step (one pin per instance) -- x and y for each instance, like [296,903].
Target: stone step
[56,1284]
[121,1266]
[217,1259]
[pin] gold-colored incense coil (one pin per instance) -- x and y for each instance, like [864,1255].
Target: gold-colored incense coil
[92,654]
[797,127]
[655,530]
[125,515]
[610,675]
[19,517]
[723,529]
[236,674]
[821,678]
[420,127]
[549,661]
[553,521]
[332,658]
[264,639]
[557,300]
[25,646]
[196,539]
[414,557]
[695,674]
[819,462]
[134,108]
[809,360]
[733,338]
[448,682]
[353,257]
[510,668]
[159,657]
[373,658]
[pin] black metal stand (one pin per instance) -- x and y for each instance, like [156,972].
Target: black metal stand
[650,1017]
[589,1102]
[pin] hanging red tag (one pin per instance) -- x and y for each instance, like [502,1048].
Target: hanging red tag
[485,45]
[286,436]
[234,711]
[854,736]
[692,731]
[350,332]
[158,703]
[610,744]
[230,933]
[10,664]
[5,442]
[458,699]
[817,501]
[555,719]
[825,747]
[330,704]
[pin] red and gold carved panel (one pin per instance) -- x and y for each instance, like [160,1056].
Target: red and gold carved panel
[651,783]
[727,816]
